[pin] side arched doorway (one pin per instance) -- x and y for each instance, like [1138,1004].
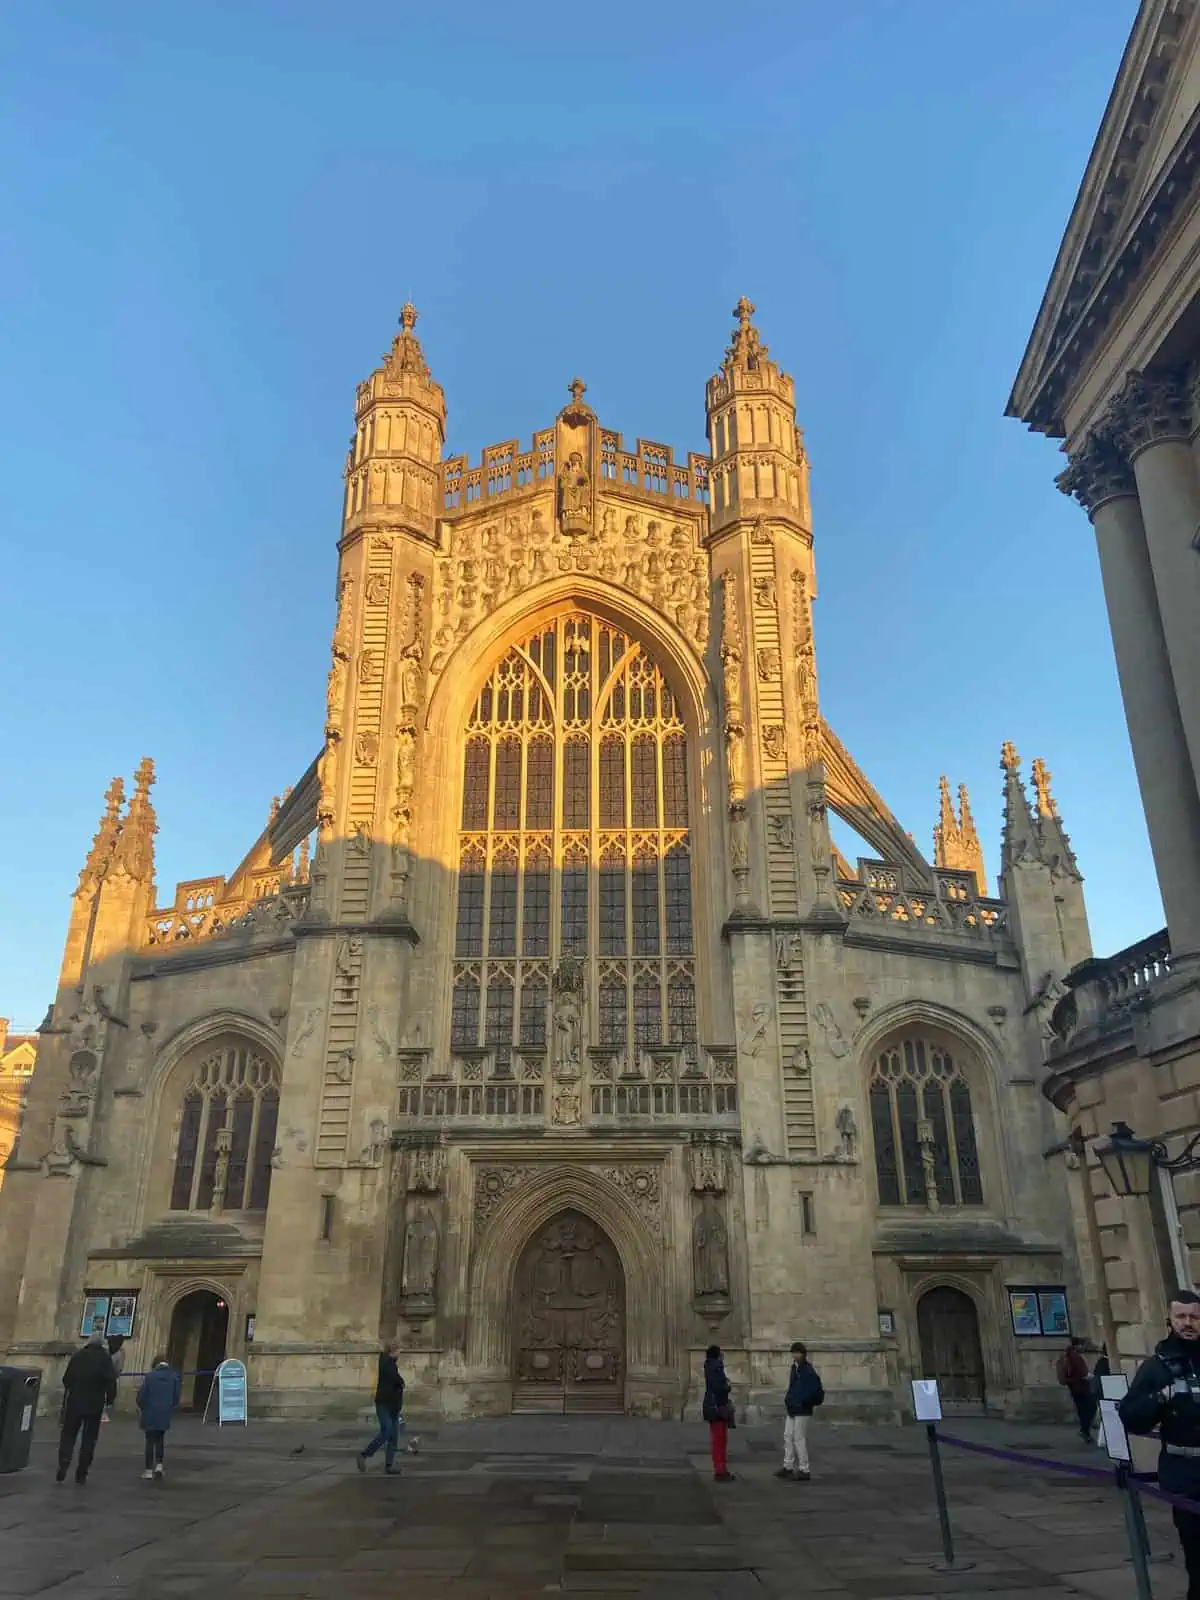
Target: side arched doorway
[196,1342]
[951,1352]
[569,1321]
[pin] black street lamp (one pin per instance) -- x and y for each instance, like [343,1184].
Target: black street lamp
[1129,1162]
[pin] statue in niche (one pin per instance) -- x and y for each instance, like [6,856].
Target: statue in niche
[334,695]
[575,494]
[418,1278]
[847,1133]
[406,760]
[710,1249]
[568,983]
[411,658]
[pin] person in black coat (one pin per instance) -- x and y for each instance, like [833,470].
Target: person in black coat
[90,1384]
[805,1392]
[1165,1394]
[389,1401]
[718,1411]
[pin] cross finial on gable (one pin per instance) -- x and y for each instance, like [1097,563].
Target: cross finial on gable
[577,389]
[743,311]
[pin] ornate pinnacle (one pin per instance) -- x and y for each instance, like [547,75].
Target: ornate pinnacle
[743,311]
[1047,806]
[106,836]
[1010,761]
[135,847]
[577,389]
[408,316]
[964,811]
[143,778]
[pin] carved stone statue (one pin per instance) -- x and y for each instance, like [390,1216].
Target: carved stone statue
[406,760]
[847,1132]
[568,984]
[418,1279]
[575,495]
[710,1249]
[410,675]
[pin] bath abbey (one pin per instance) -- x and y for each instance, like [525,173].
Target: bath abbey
[544,1028]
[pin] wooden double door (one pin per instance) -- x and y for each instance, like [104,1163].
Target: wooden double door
[951,1352]
[569,1321]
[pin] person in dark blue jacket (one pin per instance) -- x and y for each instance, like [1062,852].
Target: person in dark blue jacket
[389,1402]
[718,1411]
[805,1392]
[156,1400]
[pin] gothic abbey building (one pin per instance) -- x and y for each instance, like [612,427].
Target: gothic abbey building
[573,1045]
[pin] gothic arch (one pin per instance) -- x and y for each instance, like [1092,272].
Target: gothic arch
[536,1203]
[981,1067]
[487,641]
[224,1023]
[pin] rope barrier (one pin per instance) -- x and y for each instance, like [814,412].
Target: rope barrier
[1146,1481]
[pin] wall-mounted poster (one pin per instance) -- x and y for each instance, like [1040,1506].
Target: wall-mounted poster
[121,1314]
[95,1314]
[1023,1306]
[1053,1305]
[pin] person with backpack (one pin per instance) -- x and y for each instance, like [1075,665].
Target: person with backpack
[156,1400]
[1071,1369]
[805,1392]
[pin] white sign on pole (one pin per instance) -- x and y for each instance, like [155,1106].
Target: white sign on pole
[231,1393]
[927,1402]
[1114,1387]
[1116,1440]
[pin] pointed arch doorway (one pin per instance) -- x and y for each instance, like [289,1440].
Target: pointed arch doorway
[569,1321]
[951,1352]
[196,1343]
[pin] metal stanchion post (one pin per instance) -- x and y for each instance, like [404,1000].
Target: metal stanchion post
[928,1407]
[939,1492]
[1135,1529]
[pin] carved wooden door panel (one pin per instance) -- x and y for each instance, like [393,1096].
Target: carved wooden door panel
[950,1348]
[569,1321]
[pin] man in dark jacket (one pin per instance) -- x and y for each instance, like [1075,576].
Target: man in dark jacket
[1165,1395]
[1072,1372]
[389,1400]
[805,1393]
[90,1383]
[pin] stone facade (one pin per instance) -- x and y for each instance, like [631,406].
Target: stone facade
[574,1045]
[1112,369]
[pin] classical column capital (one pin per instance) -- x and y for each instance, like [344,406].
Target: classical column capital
[1098,472]
[1150,407]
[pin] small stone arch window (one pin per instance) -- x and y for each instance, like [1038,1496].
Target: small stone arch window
[926,1153]
[227,1127]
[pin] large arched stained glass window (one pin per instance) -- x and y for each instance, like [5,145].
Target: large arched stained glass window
[926,1153]
[574,842]
[227,1129]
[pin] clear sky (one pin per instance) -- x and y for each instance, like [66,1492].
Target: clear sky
[215,211]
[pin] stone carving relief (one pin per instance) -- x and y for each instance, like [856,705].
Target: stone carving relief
[426,1168]
[774,741]
[847,1129]
[789,952]
[755,1030]
[575,496]
[376,1141]
[767,661]
[782,830]
[566,1108]
[493,1185]
[311,1015]
[335,696]
[481,567]
[707,1159]
[366,749]
[827,1022]
[368,666]
[342,630]
[764,594]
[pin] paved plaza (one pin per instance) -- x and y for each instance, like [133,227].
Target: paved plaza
[513,1508]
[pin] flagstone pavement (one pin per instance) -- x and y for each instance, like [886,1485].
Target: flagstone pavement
[612,1509]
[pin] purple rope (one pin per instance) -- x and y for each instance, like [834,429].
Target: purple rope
[1143,1479]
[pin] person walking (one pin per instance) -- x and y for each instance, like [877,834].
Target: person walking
[805,1392]
[718,1412]
[389,1401]
[1165,1394]
[89,1384]
[156,1400]
[1072,1372]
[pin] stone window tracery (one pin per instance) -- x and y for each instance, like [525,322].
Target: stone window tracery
[926,1152]
[227,1130]
[574,841]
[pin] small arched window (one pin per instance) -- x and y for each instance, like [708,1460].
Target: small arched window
[926,1153]
[227,1127]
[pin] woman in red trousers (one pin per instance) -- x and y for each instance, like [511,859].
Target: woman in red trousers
[718,1411]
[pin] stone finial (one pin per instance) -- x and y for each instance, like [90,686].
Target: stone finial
[956,843]
[406,356]
[104,842]
[1010,761]
[747,346]
[1046,804]
[134,853]
[408,316]
[1020,841]
[577,389]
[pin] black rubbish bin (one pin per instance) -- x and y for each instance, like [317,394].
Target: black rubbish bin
[19,1388]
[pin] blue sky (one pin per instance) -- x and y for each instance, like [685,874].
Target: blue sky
[217,212]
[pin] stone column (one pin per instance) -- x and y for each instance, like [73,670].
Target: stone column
[1099,478]
[1152,421]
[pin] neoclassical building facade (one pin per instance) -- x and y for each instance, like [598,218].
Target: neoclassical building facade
[544,1027]
[1113,371]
